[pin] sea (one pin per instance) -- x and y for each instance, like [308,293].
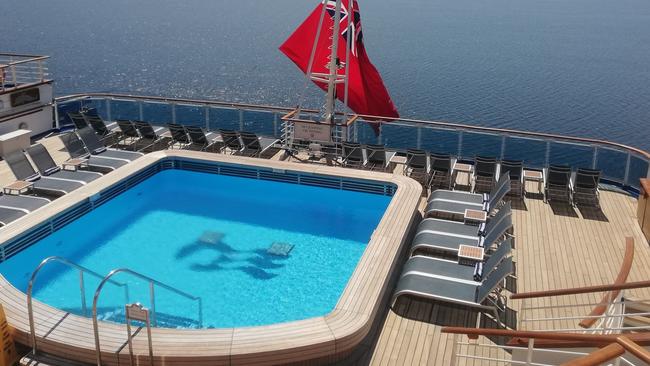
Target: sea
[573,67]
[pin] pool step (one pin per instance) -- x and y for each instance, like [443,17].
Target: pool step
[44,359]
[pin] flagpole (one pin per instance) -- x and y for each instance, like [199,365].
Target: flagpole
[333,67]
[348,45]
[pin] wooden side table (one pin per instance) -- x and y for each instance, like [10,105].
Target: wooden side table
[535,176]
[470,255]
[18,187]
[463,168]
[475,217]
[74,164]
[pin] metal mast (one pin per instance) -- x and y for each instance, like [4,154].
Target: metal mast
[333,66]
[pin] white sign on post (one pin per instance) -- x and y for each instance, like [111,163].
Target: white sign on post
[312,131]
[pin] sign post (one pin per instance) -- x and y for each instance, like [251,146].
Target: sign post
[139,313]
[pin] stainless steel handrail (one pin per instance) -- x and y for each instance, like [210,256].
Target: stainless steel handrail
[152,299]
[82,270]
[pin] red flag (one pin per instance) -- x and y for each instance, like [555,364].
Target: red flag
[366,91]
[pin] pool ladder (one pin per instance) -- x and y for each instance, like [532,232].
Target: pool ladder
[82,289]
[104,280]
[152,301]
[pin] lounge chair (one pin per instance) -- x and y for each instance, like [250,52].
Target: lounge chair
[353,155]
[230,141]
[130,135]
[484,174]
[48,168]
[454,203]
[558,183]
[95,147]
[101,129]
[77,150]
[78,120]
[446,237]
[179,136]
[200,139]
[454,271]
[377,158]
[485,295]
[442,168]
[516,171]
[23,170]
[255,145]
[149,135]
[585,186]
[417,165]
[15,207]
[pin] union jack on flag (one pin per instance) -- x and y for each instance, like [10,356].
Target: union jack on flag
[355,25]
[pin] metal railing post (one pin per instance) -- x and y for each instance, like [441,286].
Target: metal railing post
[207,117]
[152,299]
[13,75]
[594,162]
[419,136]
[57,123]
[109,114]
[241,119]
[140,110]
[40,70]
[531,349]
[173,105]
[460,144]
[82,288]
[547,154]
[503,146]
[627,169]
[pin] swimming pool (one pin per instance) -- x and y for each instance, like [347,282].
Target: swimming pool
[358,224]
[212,236]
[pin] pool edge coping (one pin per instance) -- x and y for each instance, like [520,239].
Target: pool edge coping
[326,336]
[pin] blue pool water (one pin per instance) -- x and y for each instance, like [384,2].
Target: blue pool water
[156,228]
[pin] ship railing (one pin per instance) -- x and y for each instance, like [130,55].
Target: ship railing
[620,164]
[83,271]
[545,349]
[17,70]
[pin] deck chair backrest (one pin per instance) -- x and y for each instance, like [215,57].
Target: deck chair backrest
[250,140]
[352,152]
[127,128]
[499,255]
[494,279]
[485,167]
[78,120]
[75,147]
[440,163]
[230,139]
[499,191]
[146,130]
[178,133]
[196,135]
[42,158]
[416,159]
[97,124]
[498,230]
[514,168]
[87,135]
[376,154]
[20,166]
[506,210]
[559,175]
[587,178]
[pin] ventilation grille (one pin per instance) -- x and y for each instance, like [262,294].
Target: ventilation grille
[25,240]
[71,214]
